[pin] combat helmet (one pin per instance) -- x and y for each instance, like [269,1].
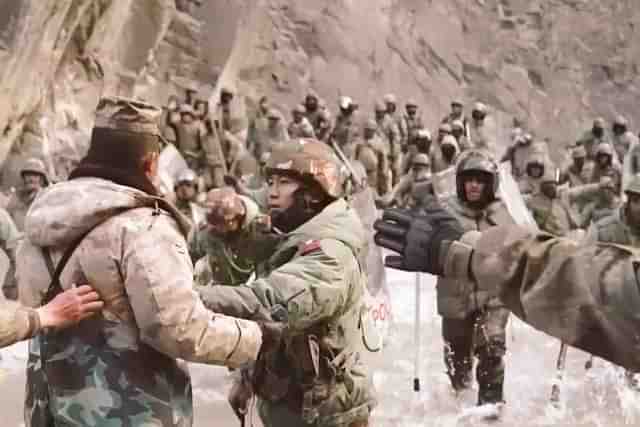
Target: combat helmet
[579,152]
[309,160]
[390,99]
[421,159]
[35,166]
[187,176]
[473,162]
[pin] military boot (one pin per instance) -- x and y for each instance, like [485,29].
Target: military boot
[458,369]
[490,376]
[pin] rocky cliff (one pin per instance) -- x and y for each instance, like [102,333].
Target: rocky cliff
[553,63]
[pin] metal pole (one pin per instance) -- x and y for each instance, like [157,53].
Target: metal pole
[416,376]
[560,364]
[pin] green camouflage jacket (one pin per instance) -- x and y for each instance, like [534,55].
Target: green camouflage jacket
[120,367]
[315,275]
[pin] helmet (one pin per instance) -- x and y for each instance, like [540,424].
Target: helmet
[325,115]
[223,204]
[226,91]
[380,107]
[604,148]
[579,152]
[480,107]
[423,134]
[36,166]
[599,123]
[312,160]
[633,186]
[445,128]
[311,94]
[186,176]
[299,109]
[274,114]
[528,138]
[390,98]
[449,140]
[186,109]
[621,121]
[421,159]
[345,102]
[411,103]
[457,102]
[475,161]
[371,125]
[457,125]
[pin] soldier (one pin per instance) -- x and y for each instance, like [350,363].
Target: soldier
[579,171]
[276,132]
[323,129]
[474,327]
[190,136]
[313,278]
[623,139]
[410,186]
[412,121]
[421,144]
[584,294]
[9,240]
[443,154]
[170,117]
[106,224]
[215,167]
[517,155]
[186,189]
[259,179]
[371,152]
[552,212]
[300,126]
[443,130]
[258,126]
[606,164]
[535,169]
[593,137]
[34,178]
[458,132]
[392,112]
[344,131]
[457,113]
[224,249]
[201,109]
[313,111]
[482,130]
[605,204]
[388,130]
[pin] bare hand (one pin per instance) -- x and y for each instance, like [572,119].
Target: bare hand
[70,307]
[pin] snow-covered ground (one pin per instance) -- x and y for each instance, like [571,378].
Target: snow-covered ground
[594,398]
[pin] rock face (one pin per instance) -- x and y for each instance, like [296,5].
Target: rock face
[553,63]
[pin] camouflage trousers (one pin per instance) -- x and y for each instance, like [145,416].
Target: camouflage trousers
[482,334]
[279,415]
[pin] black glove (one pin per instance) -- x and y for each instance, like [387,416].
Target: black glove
[419,236]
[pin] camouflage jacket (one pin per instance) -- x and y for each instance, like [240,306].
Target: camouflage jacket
[314,274]
[453,300]
[615,229]
[598,209]
[388,130]
[120,366]
[229,261]
[374,156]
[584,294]
[17,323]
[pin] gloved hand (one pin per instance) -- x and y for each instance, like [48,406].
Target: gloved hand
[419,237]
[240,394]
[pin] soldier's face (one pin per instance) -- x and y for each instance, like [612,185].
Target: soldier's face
[474,188]
[578,162]
[187,118]
[412,110]
[281,192]
[633,208]
[311,103]
[535,171]
[391,107]
[186,191]
[456,110]
[32,181]
[603,160]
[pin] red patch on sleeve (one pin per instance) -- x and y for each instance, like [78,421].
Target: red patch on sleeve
[310,246]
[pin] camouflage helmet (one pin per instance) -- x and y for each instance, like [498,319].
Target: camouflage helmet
[458,102]
[345,102]
[480,107]
[370,124]
[35,166]
[411,103]
[476,161]
[423,134]
[457,125]
[274,114]
[300,109]
[187,176]
[444,128]
[604,149]
[421,159]
[380,107]
[309,160]
[579,152]
[225,90]
[621,120]
[390,99]
[449,140]
[634,185]
[599,123]
[223,205]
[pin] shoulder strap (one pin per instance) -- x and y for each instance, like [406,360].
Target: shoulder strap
[55,287]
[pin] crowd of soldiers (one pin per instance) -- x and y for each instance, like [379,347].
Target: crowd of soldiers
[261,212]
